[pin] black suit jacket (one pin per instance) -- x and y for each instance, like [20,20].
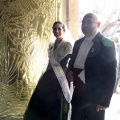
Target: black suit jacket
[100,70]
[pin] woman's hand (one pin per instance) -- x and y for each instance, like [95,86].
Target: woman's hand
[70,76]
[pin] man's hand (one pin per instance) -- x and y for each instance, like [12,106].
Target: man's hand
[70,76]
[100,107]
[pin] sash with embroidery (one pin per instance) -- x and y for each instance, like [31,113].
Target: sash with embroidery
[61,78]
[67,92]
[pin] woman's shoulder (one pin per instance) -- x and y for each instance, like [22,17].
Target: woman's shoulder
[66,43]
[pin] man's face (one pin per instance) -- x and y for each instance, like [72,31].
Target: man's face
[89,25]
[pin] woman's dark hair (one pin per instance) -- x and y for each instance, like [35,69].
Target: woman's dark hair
[58,22]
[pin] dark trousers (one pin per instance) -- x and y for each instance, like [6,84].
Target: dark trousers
[82,110]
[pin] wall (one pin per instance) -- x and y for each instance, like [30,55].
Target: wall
[25,30]
[70,16]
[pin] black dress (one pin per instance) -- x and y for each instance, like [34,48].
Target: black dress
[47,101]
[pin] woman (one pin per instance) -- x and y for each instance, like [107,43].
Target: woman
[48,101]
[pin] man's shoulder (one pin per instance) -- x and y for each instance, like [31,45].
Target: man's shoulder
[107,42]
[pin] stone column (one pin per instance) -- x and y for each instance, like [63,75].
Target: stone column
[70,16]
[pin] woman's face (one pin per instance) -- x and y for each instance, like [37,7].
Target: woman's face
[58,31]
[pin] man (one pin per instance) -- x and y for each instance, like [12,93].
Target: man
[92,69]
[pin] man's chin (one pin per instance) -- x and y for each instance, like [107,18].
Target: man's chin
[88,35]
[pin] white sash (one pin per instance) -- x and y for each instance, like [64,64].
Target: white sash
[61,78]
[67,92]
